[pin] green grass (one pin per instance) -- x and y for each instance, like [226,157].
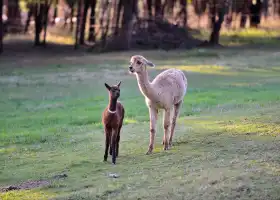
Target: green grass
[226,140]
[248,36]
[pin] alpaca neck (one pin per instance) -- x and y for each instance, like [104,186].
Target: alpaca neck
[112,104]
[145,85]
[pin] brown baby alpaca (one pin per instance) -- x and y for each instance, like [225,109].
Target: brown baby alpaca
[112,120]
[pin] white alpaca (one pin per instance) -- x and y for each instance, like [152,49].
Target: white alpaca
[166,92]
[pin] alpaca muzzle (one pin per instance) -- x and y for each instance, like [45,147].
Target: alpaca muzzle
[130,68]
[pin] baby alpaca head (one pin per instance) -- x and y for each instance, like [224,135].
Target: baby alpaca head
[114,90]
[138,64]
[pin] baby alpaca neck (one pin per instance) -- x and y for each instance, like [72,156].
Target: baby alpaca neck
[112,104]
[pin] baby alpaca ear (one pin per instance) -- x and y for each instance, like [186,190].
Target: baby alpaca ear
[150,64]
[107,86]
[119,84]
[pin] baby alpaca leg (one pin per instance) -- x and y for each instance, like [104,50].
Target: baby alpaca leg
[166,125]
[107,142]
[113,144]
[153,120]
[174,119]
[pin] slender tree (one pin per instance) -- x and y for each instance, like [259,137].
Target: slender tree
[39,12]
[199,8]
[83,21]
[149,8]
[71,4]
[31,6]
[117,15]
[13,12]
[91,36]
[102,21]
[78,24]
[127,23]
[183,12]
[45,19]
[169,8]
[55,11]
[158,8]
[217,7]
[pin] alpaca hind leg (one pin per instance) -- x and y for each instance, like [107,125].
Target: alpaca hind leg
[153,121]
[118,141]
[113,144]
[107,143]
[166,125]
[174,119]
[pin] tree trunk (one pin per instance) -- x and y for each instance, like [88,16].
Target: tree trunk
[105,34]
[104,5]
[84,20]
[157,9]
[13,12]
[78,24]
[71,18]
[149,7]
[46,12]
[135,9]
[183,12]
[29,15]
[55,11]
[169,8]
[255,14]
[244,14]
[127,24]
[38,22]
[217,24]
[1,27]
[91,36]
[117,17]
[265,8]
[276,7]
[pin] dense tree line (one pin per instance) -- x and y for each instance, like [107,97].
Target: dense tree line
[114,19]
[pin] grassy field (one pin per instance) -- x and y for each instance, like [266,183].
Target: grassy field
[226,141]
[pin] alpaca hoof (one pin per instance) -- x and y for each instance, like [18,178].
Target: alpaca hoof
[149,152]
[166,148]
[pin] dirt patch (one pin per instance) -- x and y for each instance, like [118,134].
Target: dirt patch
[26,185]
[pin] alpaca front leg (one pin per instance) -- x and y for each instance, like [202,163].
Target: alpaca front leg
[107,143]
[166,125]
[153,121]
[174,119]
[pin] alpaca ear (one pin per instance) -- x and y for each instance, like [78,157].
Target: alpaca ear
[150,64]
[119,84]
[107,86]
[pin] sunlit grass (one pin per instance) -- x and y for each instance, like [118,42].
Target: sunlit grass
[252,33]
[25,195]
[245,36]
[68,40]
[204,69]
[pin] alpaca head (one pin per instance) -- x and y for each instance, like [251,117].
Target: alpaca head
[138,64]
[114,90]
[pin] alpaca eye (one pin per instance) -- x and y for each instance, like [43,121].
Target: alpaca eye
[138,62]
